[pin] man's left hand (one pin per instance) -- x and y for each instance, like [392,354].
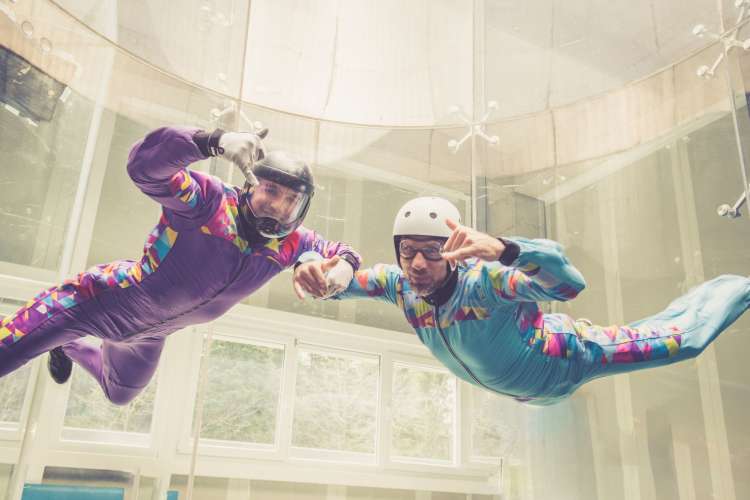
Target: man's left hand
[243,149]
[466,242]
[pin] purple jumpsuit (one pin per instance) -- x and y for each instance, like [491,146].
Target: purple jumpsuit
[195,266]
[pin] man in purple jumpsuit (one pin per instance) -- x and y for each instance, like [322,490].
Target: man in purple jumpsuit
[214,245]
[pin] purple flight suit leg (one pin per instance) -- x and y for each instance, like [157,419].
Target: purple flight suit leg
[123,369]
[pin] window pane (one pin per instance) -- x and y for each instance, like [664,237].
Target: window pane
[336,400]
[13,386]
[88,407]
[12,392]
[424,403]
[241,399]
[495,421]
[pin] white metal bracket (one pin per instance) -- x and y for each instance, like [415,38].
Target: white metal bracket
[733,211]
[474,128]
[230,108]
[729,39]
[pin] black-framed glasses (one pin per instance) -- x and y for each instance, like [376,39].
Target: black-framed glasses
[429,252]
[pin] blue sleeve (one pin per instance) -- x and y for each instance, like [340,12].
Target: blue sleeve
[539,272]
[381,282]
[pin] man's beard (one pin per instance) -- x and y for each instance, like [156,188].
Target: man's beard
[424,289]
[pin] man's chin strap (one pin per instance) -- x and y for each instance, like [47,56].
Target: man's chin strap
[247,231]
[444,291]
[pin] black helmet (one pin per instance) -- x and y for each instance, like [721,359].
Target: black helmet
[277,205]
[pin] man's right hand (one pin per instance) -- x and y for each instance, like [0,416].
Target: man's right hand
[243,149]
[312,277]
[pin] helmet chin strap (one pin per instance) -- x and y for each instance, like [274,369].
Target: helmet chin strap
[247,230]
[266,225]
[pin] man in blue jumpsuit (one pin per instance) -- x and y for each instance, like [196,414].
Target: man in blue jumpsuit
[473,301]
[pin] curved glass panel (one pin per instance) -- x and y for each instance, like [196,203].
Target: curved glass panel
[309,399]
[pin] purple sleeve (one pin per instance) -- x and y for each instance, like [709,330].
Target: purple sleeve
[306,240]
[157,164]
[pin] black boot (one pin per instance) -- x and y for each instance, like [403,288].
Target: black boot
[59,365]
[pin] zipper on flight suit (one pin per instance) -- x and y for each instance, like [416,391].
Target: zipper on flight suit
[456,358]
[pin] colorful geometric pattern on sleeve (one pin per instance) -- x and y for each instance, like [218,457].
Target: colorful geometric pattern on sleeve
[185,188]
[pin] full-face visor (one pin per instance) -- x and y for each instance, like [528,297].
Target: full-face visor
[278,209]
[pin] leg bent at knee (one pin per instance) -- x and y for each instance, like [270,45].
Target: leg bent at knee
[120,395]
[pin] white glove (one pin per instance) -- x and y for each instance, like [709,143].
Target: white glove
[338,278]
[243,149]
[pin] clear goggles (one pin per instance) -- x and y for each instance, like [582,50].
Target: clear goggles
[429,250]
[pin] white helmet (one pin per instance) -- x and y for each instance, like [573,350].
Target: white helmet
[424,217]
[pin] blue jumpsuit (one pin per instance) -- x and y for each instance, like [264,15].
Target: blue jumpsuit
[492,333]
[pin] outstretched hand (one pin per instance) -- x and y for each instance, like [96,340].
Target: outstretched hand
[322,278]
[243,149]
[467,242]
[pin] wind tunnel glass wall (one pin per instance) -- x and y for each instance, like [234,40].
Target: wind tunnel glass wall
[363,174]
[42,127]
[722,250]
[632,192]
[630,189]
[385,62]
[331,53]
[15,388]
[212,56]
